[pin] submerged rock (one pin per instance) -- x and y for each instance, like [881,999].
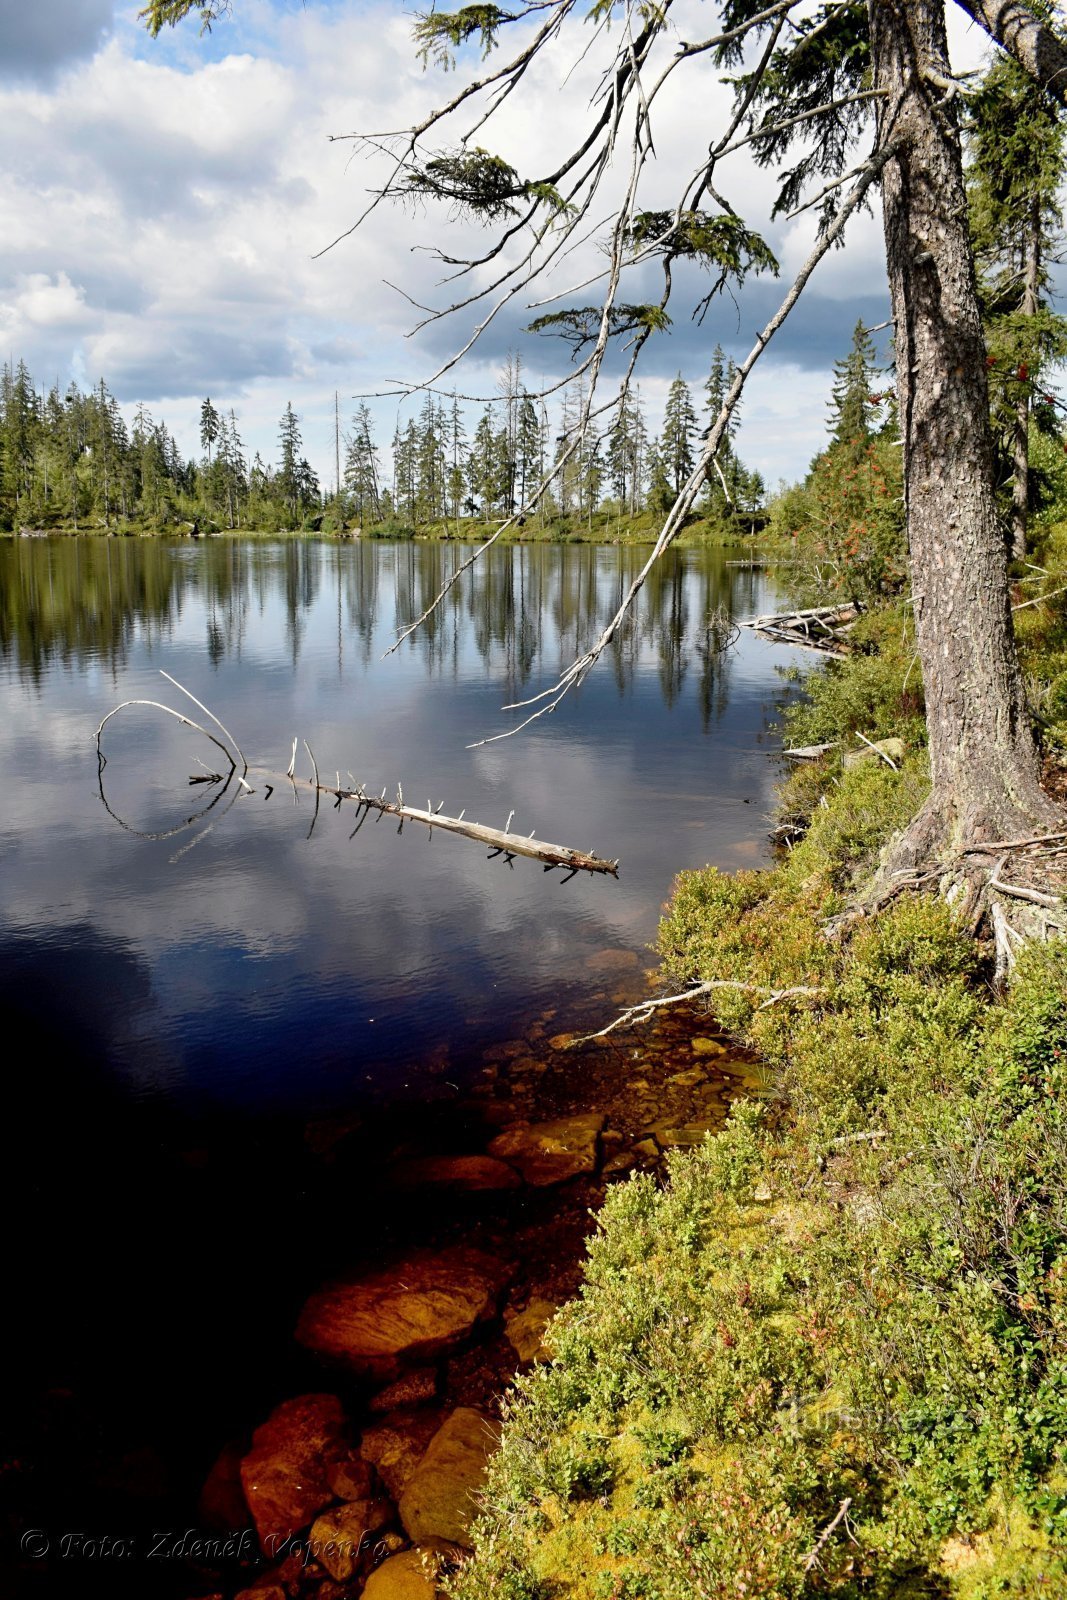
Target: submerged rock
[424,1304]
[407,1576]
[613,960]
[350,1477]
[413,1389]
[440,1498]
[551,1152]
[284,1474]
[396,1445]
[463,1174]
[342,1541]
[222,1505]
[525,1331]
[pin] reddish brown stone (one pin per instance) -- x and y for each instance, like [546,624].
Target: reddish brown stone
[441,1497]
[460,1174]
[284,1474]
[342,1540]
[397,1444]
[424,1304]
[222,1505]
[415,1388]
[551,1152]
[350,1477]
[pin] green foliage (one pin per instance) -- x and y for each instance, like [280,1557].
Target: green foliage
[71,462]
[439,34]
[876,692]
[858,1291]
[159,14]
[581,325]
[794,1322]
[472,180]
[826,62]
[716,242]
[845,524]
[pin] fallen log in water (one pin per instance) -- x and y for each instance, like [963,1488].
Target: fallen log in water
[501,841]
[819,628]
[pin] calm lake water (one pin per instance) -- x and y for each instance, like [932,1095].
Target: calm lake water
[180,994]
[251,966]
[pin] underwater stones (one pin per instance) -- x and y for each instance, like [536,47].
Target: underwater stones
[551,1152]
[283,1476]
[221,1505]
[413,1389]
[526,1329]
[396,1445]
[403,1577]
[440,1498]
[424,1304]
[466,1174]
[350,1477]
[613,961]
[341,1540]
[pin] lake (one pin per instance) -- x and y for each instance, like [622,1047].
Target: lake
[186,982]
[253,966]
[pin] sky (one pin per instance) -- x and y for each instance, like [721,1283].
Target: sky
[164,210]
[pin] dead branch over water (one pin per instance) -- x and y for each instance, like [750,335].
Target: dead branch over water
[500,841]
[821,628]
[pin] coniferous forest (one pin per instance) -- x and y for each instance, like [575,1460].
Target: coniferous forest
[73,462]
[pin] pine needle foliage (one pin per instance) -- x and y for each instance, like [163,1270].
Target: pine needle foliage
[439,34]
[160,14]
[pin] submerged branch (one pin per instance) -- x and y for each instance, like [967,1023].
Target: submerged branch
[501,842]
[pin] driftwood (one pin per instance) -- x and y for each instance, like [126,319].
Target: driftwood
[819,628]
[645,1009]
[501,842]
[809,752]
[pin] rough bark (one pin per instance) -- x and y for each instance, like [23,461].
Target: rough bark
[1026,37]
[1020,489]
[983,758]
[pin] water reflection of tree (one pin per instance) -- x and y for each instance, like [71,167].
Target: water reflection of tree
[524,612]
[73,601]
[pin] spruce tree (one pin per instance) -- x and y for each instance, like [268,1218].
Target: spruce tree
[852,407]
[288,478]
[679,434]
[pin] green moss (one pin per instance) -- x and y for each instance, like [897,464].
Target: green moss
[829,1355]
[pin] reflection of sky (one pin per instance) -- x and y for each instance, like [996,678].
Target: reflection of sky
[277,969]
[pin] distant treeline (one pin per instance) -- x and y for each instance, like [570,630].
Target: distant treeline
[71,461]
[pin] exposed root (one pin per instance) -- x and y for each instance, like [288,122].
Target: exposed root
[1011,888]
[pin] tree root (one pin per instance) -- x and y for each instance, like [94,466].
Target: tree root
[1010,888]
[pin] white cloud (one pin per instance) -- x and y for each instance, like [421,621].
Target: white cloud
[41,302]
[161,224]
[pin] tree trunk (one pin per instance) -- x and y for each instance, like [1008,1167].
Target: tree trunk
[983,758]
[1020,488]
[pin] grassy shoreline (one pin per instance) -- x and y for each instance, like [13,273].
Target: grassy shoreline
[830,1355]
[643,529]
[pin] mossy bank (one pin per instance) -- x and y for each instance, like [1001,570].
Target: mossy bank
[830,1354]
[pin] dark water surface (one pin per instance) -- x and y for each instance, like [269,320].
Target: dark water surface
[171,1003]
[262,968]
